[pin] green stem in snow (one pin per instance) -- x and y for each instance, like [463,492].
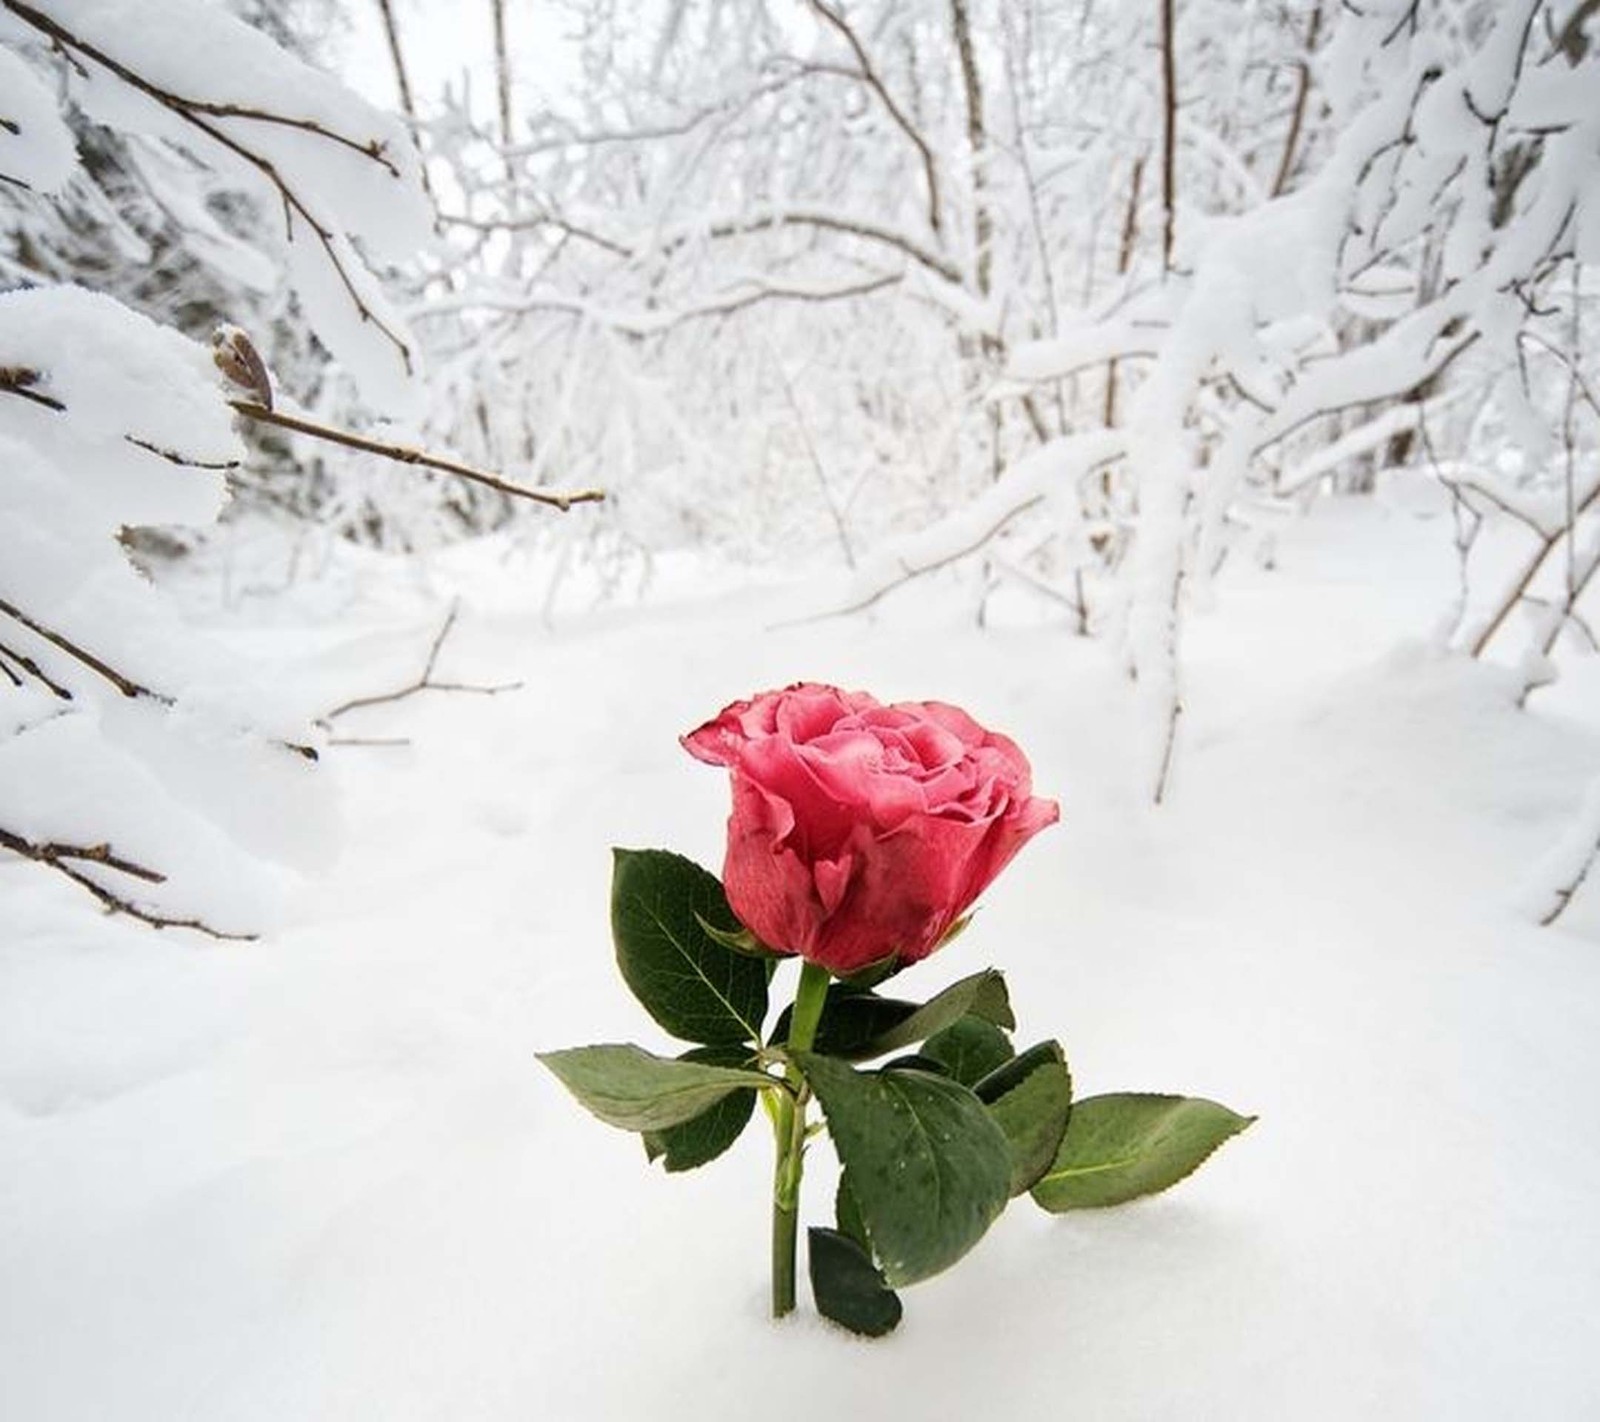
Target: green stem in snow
[789,1125]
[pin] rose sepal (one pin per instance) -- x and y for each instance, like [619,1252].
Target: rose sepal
[874,973]
[741,941]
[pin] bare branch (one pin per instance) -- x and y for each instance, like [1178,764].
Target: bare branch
[424,682]
[18,380]
[11,657]
[1130,235]
[908,572]
[502,82]
[977,142]
[405,454]
[1302,92]
[522,222]
[126,685]
[846,225]
[199,114]
[814,456]
[173,457]
[849,226]
[402,84]
[68,859]
[1169,133]
[763,292]
[869,76]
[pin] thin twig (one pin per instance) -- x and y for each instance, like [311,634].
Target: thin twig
[19,380]
[424,682]
[32,668]
[405,454]
[126,685]
[66,860]
[502,84]
[815,457]
[198,114]
[1130,235]
[1562,895]
[910,571]
[977,144]
[1530,571]
[1291,143]
[402,83]
[869,76]
[173,457]
[1169,133]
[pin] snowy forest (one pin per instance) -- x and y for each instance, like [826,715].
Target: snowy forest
[415,417]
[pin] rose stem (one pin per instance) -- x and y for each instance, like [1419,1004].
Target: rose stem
[789,1124]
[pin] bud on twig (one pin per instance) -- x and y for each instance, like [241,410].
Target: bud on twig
[237,358]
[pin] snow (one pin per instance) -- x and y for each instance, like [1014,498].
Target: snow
[36,147]
[118,374]
[190,774]
[323,1176]
[344,177]
[175,44]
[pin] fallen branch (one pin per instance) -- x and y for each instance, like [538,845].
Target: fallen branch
[424,682]
[67,859]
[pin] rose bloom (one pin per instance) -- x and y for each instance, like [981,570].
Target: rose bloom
[861,831]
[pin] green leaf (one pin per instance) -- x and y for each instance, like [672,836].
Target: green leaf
[1122,1146]
[1018,1069]
[847,1285]
[983,995]
[1032,1107]
[701,1139]
[928,1168]
[915,1061]
[629,1087]
[696,988]
[847,1214]
[969,1049]
[851,1018]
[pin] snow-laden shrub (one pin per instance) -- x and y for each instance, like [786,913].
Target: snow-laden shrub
[132,747]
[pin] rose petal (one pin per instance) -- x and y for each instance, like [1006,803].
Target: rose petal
[833,879]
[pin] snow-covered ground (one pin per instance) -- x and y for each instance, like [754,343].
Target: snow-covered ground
[322,1176]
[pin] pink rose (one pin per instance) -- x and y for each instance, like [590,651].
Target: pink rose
[859,830]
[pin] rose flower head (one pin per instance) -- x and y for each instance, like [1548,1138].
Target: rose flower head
[860,831]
